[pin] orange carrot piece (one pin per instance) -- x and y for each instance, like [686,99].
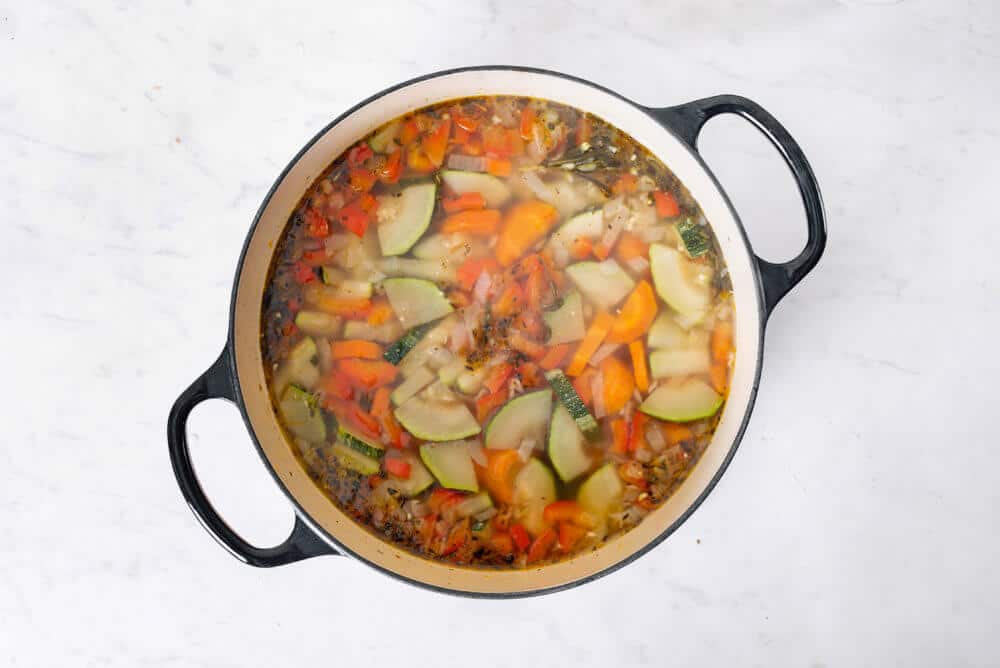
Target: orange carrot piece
[567,510]
[468,272]
[367,374]
[569,535]
[528,118]
[498,167]
[666,204]
[486,404]
[582,385]
[619,436]
[477,222]
[555,356]
[521,343]
[582,248]
[524,224]
[619,383]
[636,316]
[367,350]
[511,300]
[497,377]
[675,433]
[721,346]
[592,340]
[626,183]
[464,202]
[501,468]
[631,246]
[380,312]
[637,432]
[436,143]
[638,353]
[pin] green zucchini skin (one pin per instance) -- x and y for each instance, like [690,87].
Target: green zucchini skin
[573,403]
[395,353]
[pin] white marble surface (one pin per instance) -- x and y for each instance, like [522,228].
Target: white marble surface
[856,525]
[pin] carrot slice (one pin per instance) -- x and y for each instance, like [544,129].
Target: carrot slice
[520,537]
[638,353]
[618,383]
[636,316]
[524,224]
[722,346]
[582,248]
[569,535]
[666,204]
[554,357]
[592,340]
[631,246]
[436,143]
[381,311]
[637,432]
[498,166]
[486,404]
[619,436]
[501,468]
[367,374]
[464,202]
[582,385]
[367,350]
[477,222]
[567,511]
[528,118]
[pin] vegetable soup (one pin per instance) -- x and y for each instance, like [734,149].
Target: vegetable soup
[498,332]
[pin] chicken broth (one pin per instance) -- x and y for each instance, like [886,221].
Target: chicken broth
[498,332]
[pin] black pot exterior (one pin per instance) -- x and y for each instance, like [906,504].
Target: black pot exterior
[307,540]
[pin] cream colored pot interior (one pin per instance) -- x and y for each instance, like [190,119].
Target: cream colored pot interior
[324,514]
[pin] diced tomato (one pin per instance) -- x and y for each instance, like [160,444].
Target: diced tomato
[315,258]
[569,535]
[362,179]
[337,385]
[354,218]
[457,538]
[393,168]
[633,473]
[497,377]
[619,436]
[637,432]
[317,226]
[502,542]
[521,538]
[666,204]
[567,511]
[442,498]
[540,547]
[397,467]
[468,272]
[293,305]
[463,120]
[530,374]
[500,142]
[358,154]
[303,273]
[486,404]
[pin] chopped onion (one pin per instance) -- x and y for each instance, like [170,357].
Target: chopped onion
[514,388]
[560,255]
[438,357]
[603,352]
[615,215]
[481,290]
[655,438]
[643,455]
[637,264]
[416,508]
[467,163]
[597,390]
[486,514]
[336,242]
[459,338]
[525,449]
[477,453]
[652,234]
[325,355]
[536,185]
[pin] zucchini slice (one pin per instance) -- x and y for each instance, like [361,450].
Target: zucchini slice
[437,421]
[604,284]
[395,353]
[566,322]
[409,388]
[666,333]
[451,464]
[301,363]
[672,276]
[494,191]
[566,446]
[526,416]
[354,460]
[357,442]
[473,505]
[301,415]
[416,301]
[589,224]
[601,493]
[679,362]
[694,239]
[534,488]
[419,480]
[685,401]
[574,404]
[318,323]
[387,332]
[404,217]
[385,138]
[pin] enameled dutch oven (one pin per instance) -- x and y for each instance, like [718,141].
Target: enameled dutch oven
[320,528]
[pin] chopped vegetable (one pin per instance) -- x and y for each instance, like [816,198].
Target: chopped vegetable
[636,315]
[525,224]
[404,217]
[722,346]
[395,353]
[356,348]
[437,421]
[569,398]
[666,205]
[694,241]
[555,356]
[594,337]
[604,284]
[523,417]
[451,464]
[477,223]
[469,201]
[416,301]
[619,384]
[683,401]
[638,354]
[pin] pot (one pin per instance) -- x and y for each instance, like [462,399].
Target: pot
[321,528]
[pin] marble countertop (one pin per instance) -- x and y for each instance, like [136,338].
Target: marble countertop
[856,526]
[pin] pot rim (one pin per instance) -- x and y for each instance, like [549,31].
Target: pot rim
[670,123]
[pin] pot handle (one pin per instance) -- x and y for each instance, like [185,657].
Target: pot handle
[687,120]
[217,383]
